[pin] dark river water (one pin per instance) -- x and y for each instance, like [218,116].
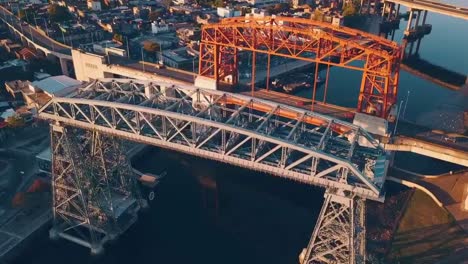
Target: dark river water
[260,218]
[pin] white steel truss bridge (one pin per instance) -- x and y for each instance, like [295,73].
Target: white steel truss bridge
[240,130]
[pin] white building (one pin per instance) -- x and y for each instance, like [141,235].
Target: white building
[94,5]
[181,2]
[101,47]
[158,27]
[55,86]
[262,3]
[228,12]
[257,13]
[337,21]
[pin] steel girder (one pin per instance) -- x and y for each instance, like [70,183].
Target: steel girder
[231,128]
[339,236]
[90,179]
[305,39]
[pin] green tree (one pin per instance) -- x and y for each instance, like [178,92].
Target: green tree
[166,3]
[318,15]
[150,46]
[58,13]
[154,15]
[349,10]
[218,3]
[22,14]
[15,121]
[118,37]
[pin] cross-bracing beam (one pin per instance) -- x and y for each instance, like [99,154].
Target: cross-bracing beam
[340,234]
[94,194]
[243,131]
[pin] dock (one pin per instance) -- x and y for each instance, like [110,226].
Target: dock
[18,226]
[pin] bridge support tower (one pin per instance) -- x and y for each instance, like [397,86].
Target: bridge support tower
[64,66]
[340,232]
[415,33]
[95,197]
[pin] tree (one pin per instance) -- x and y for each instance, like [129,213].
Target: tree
[150,46]
[349,10]
[22,14]
[318,15]
[15,121]
[118,37]
[58,13]
[166,3]
[218,3]
[154,15]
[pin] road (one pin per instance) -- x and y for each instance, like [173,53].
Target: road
[19,222]
[172,73]
[166,72]
[33,34]
[431,136]
[435,6]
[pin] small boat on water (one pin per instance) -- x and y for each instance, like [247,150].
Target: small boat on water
[319,80]
[296,86]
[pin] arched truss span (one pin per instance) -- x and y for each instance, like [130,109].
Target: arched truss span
[230,128]
[305,40]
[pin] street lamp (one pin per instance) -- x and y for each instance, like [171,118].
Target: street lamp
[30,31]
[63,36]
[160,55]
[406,103]
[398,117]
[143,59]
[128,48]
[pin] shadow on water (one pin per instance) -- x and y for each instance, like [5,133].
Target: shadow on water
[261,218]
[431,244]
[437,72]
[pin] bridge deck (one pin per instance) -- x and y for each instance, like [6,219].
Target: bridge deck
[343,113]
[33,34]
[232,128]
[435,6]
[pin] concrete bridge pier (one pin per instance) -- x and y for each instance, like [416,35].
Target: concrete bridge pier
[64,66]
[368,5]
[423,26]
[414,33]
[415,26]
[390,19]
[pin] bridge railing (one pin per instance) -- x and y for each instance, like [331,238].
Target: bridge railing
[60,46]
[238,130]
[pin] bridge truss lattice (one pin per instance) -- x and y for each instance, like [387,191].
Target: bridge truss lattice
[235,129]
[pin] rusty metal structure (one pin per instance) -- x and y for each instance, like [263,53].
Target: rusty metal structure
[95,197]
[92,182]
[308,40]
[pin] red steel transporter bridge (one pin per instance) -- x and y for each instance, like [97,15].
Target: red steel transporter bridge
[93,188]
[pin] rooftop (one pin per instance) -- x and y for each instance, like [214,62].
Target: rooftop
[56,85]
[177,55]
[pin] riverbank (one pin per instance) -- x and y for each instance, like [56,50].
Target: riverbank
[428,233]
[436,74]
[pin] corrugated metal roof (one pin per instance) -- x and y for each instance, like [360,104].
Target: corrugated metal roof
[56,84]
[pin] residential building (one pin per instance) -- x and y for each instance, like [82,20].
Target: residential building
[178,58]
[36,94]
[189,33]
[159,27]
[263,3]
[181,2]
[100,47]
[228,12]
[94,5]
